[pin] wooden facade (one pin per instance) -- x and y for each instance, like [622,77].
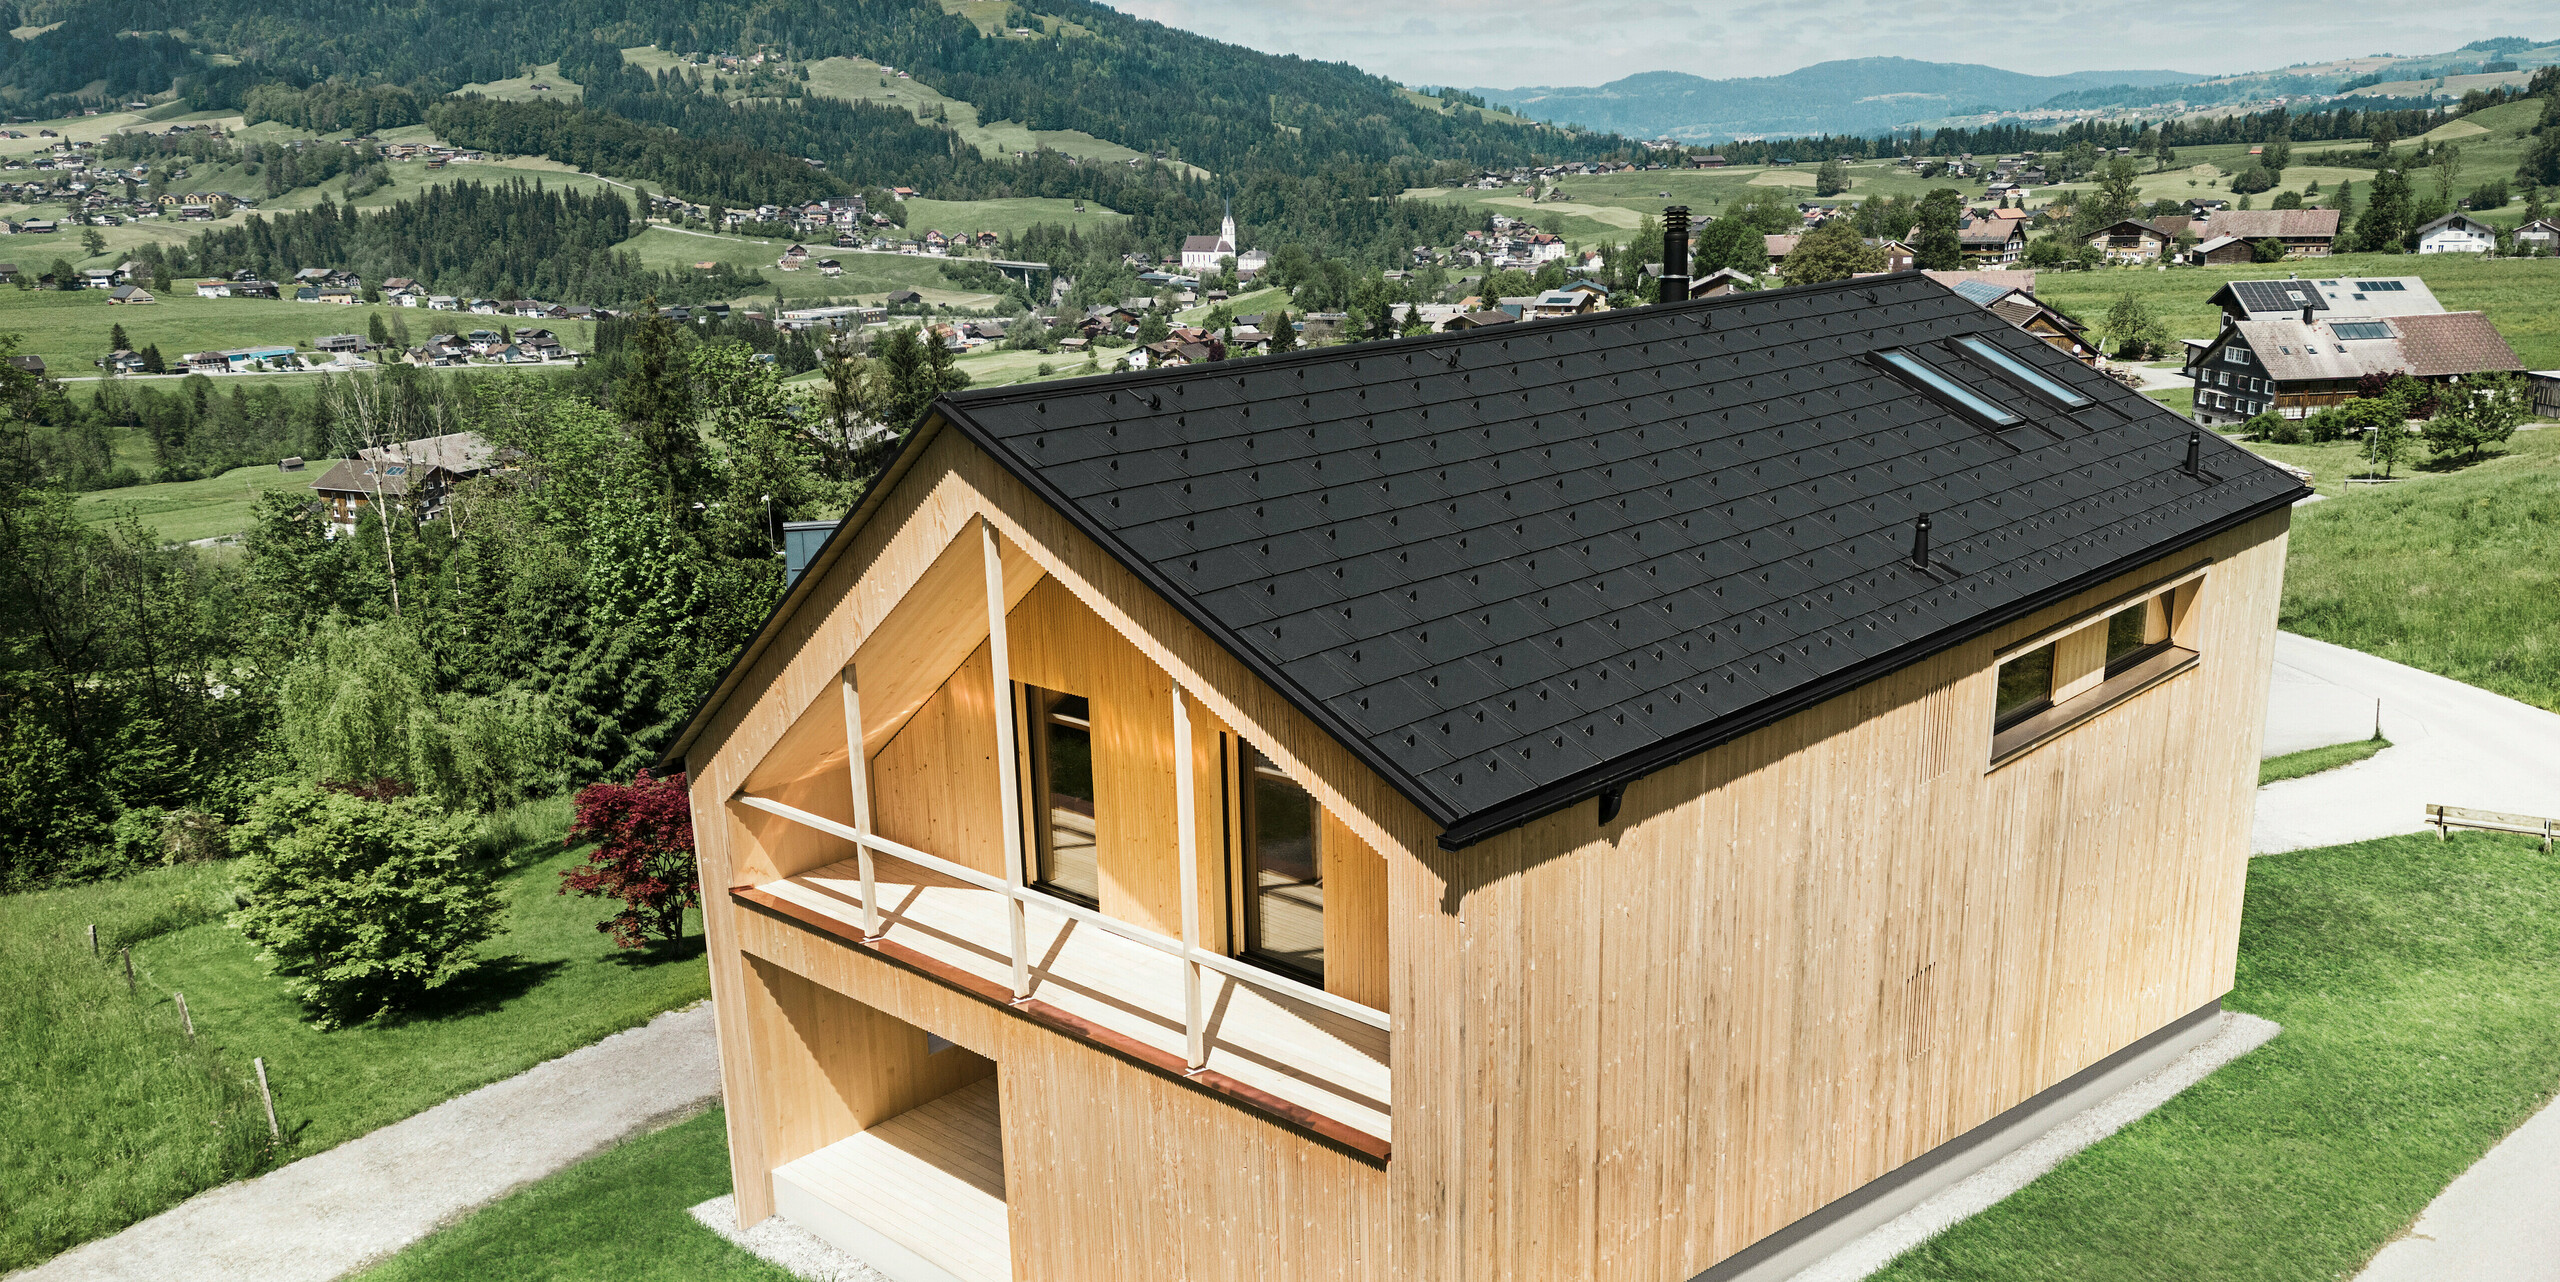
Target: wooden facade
[1790,965]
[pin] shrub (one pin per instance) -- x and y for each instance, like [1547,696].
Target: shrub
[2264,424]
[644,856]
[2286,432]
[363,906]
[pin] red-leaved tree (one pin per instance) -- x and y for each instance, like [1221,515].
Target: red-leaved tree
[644,856]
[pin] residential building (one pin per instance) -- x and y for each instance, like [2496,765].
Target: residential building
[1993,240]
[2546,391]
[2297,346]
[2304,233]
[350,344]
[2541,236]
[1375,838]
[128,295]
[420,473]
[2457,233]
[2003,295]
[2135,240]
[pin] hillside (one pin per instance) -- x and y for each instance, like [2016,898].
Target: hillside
[1875,95]
[1859,95]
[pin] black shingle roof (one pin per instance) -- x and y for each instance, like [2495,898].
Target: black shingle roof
[1513,567]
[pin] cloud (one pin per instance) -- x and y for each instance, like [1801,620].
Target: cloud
[1478,42]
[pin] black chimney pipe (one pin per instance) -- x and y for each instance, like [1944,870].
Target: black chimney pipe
[1920,542]
[2195,453]
[1675,254]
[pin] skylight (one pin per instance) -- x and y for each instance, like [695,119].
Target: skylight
[2381,286]
[2360,329]
[2034,378]
[1912,368]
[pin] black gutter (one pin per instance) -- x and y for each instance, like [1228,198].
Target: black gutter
[1613,777]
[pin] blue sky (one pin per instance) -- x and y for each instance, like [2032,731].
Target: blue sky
[1478,42]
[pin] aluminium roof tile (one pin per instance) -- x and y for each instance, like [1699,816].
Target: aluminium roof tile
[1581,544]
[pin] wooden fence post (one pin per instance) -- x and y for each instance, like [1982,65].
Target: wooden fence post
[93,941]
[273,1132]
[128,970]
[184,1017]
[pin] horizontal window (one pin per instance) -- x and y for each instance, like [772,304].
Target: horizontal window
[1947,388]
[2033,378]
[2046,690]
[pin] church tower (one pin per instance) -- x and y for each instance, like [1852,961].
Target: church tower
[1227,229]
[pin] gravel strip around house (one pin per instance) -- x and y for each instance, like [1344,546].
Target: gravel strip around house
[335,1212]
[785,1245]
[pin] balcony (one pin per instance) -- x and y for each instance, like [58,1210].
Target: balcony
[1260,1044]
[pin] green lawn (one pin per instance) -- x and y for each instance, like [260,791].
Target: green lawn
[553,984]
[1005,217]
[184,511]
[2418,984]
[2311,761]
[860,79]
[521,88]
[2457,573]
[617,1217]
[2520,295]
[867,278]
[70,328]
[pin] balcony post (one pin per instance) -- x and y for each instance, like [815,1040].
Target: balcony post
[1008,759]
[859,769]
[1186,826]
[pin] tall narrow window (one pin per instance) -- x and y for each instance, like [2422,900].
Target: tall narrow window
[1060,770]
[1283,870]
[2026,687]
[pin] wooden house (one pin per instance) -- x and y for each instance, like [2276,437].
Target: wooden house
[1618,798]
[2297,345]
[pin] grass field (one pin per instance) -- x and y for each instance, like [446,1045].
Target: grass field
[617,1217]
[2458,573]
[2311,761]
[70,329]
[521,88]
[1004,217]
[2520,295]
[184,511]
[868,278]
[2419,989]
[858,79]
[113,1113]
[553,984]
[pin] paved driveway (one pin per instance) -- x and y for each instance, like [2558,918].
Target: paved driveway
[2453,744]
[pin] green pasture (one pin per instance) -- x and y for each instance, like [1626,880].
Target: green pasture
[70,329]
[185,511]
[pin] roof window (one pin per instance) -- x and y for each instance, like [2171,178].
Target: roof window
[2352,330]
[2381,286]
[1947,389]
[2033,378]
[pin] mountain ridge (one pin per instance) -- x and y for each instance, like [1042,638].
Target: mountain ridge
[1847,95]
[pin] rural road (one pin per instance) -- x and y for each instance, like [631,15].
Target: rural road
[335,1212]
[2451,744]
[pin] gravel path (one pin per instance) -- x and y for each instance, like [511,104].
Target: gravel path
[2452,744]
[335,1212]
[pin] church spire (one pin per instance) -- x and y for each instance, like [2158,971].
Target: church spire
[1227,227]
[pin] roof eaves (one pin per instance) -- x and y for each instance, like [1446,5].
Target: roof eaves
[1656,756]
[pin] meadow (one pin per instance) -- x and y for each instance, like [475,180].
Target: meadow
[1008,217]
[867,278]
[2415,982]
[188,511]
[70,328]
[142,1116]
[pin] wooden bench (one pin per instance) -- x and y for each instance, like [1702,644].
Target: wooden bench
[2448,818]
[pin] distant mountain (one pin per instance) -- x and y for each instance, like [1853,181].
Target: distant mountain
[1860,95]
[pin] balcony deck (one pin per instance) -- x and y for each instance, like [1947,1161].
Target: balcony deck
[919,1197]
[1312,1068]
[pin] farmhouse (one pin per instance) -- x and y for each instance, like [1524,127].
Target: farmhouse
[2541,236]
[2135,240]
[1993,240]
[2304,233]
[421,472]
[2295,346]
[1330,815]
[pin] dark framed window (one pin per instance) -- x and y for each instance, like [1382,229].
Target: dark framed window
[2136,633]
[1058,736]
[1280,853]
[2026,688]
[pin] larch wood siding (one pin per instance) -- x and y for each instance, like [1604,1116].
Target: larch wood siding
[1807,957]
[1792,964]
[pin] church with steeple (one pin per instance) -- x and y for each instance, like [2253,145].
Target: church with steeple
[1203,253]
